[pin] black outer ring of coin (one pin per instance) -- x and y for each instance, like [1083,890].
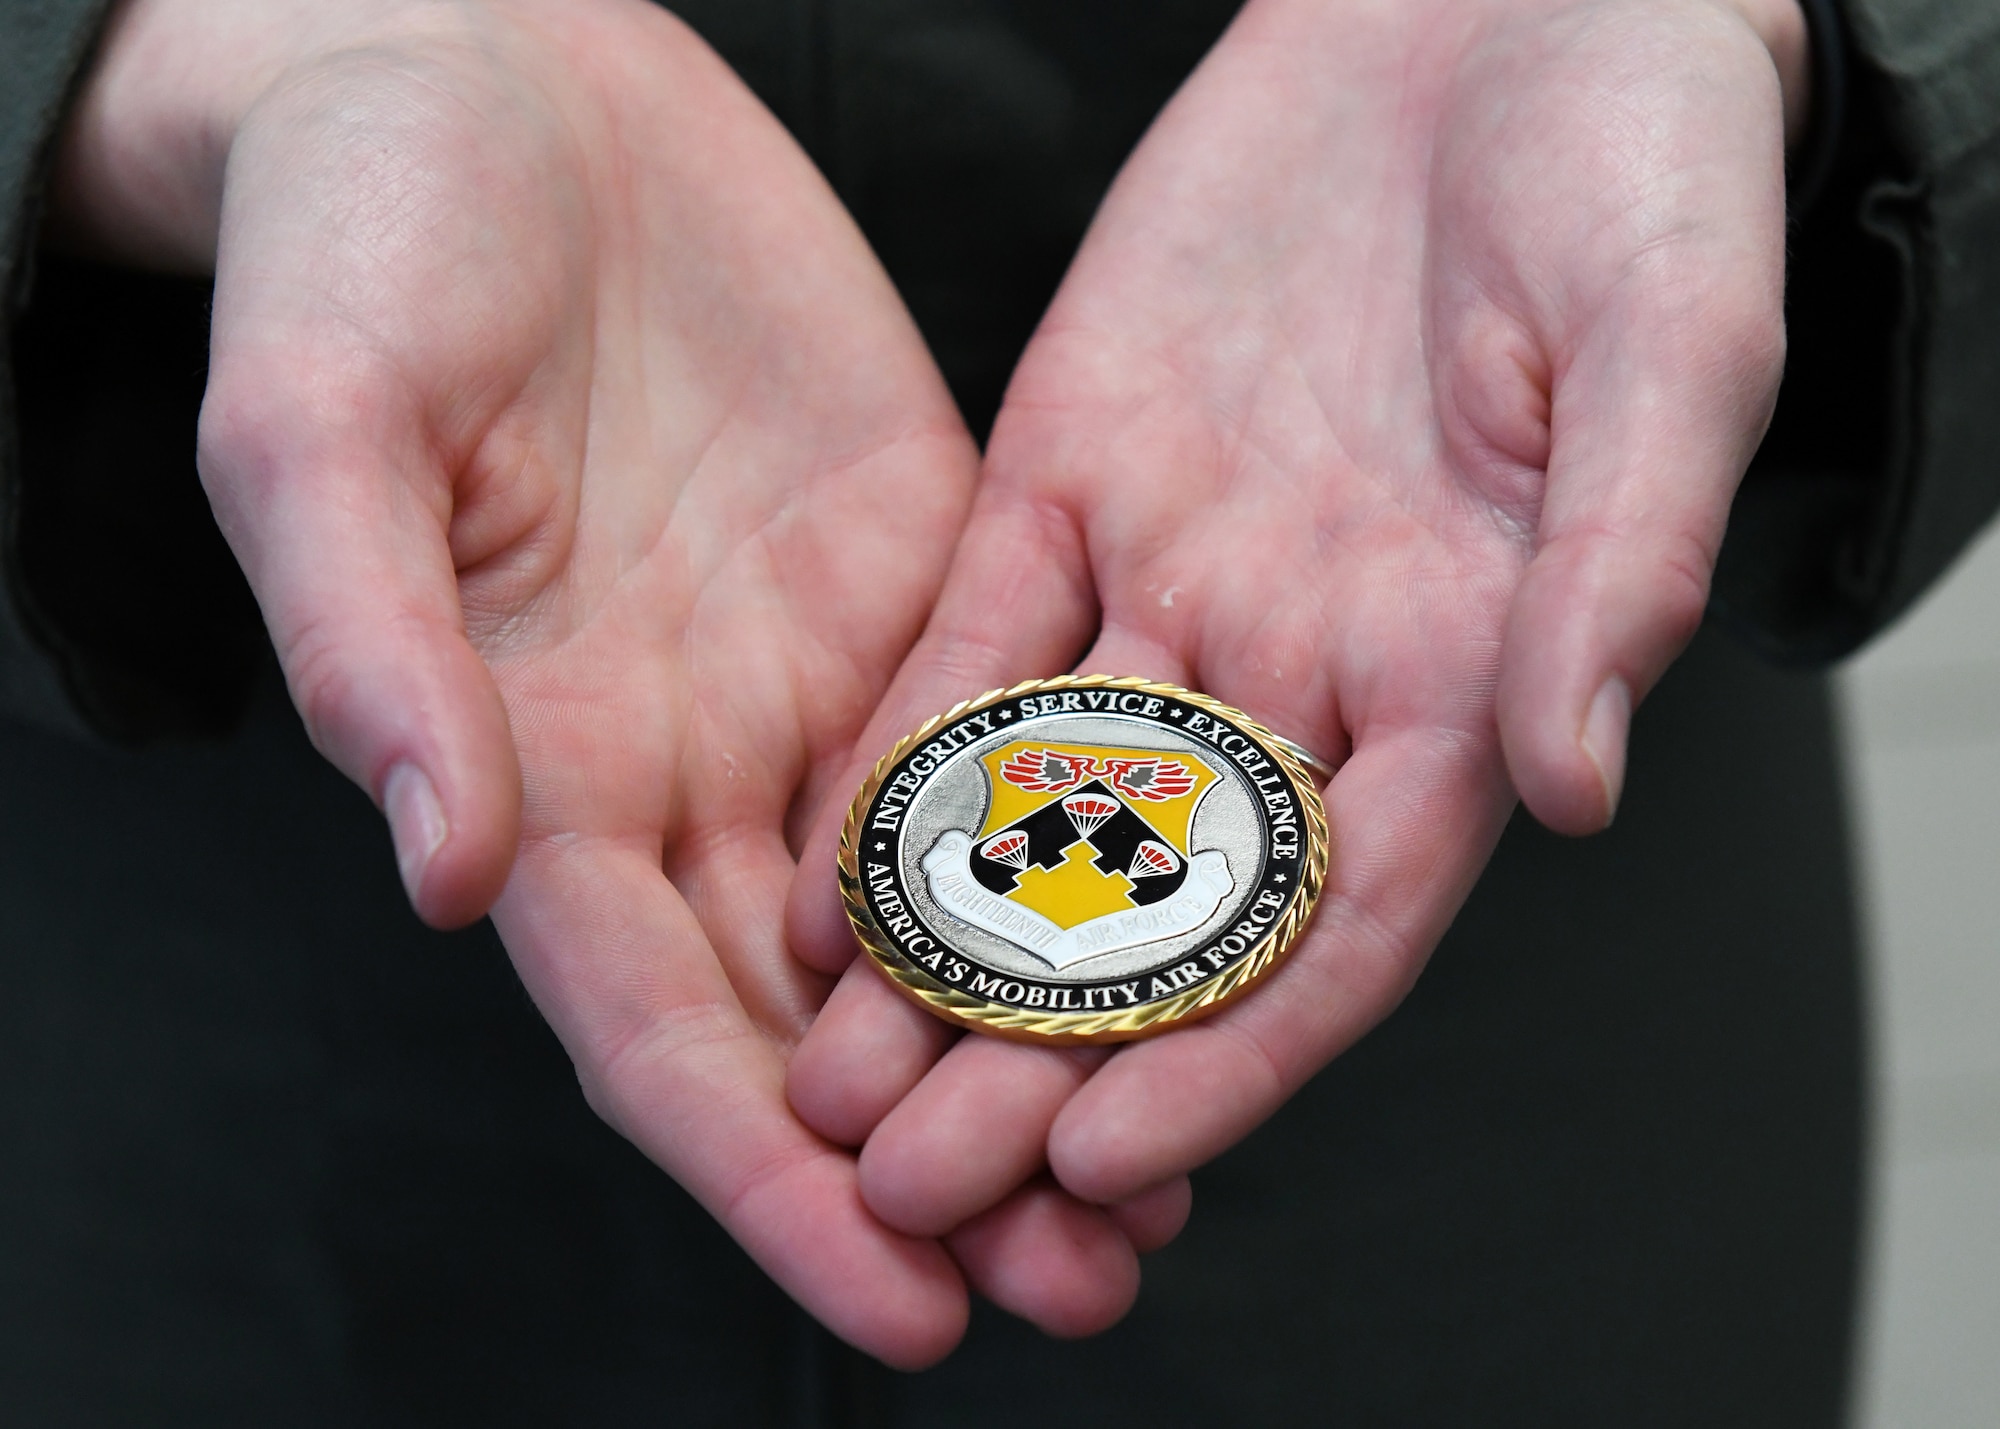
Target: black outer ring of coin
[1001,1003]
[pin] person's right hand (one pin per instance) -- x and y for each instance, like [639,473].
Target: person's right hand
[593,481]
[1397,397]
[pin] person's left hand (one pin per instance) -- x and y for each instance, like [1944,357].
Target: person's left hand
[592,480]
[1397,397]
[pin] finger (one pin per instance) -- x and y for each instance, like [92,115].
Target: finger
[970,1132]
[1122,650]
[1151,1219]
[1414,814]
[957,1148]
[1242,663]
[1064,1267]
[1017,603]
[734,879]
[621,970]
[331,505]
[871,1047]
[863,1053]
[1653,425]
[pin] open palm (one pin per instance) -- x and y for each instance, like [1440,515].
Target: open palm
[593,482]
[1397,397]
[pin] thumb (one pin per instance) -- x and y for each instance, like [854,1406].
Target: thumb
[1651,430]
[332,503]
[1016,604]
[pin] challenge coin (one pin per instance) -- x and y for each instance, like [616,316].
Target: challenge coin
[1084,859]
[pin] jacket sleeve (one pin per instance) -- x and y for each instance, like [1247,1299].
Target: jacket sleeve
[122,613]
[47,42]
[1883,459]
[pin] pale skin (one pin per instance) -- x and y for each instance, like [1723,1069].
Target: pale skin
[594,484]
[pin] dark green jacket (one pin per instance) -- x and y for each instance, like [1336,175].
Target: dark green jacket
[119,610]
[275,1154]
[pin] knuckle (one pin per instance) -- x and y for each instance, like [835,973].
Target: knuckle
[322,683]
[965,659]
[271,422]
[1720,314]
[1661,576]
[239,426]
[1749,352]
[1677,576]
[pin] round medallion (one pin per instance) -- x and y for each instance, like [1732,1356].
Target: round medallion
[1084,859]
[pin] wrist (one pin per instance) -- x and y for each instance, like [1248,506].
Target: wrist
[140,161]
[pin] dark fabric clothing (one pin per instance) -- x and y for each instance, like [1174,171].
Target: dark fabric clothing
[272,1153]
[1881,463]
[276,1154]
[1811,160]
[45,43]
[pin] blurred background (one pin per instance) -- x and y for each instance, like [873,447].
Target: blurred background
[1921,715]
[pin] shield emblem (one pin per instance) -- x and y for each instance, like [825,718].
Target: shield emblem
[1078,832]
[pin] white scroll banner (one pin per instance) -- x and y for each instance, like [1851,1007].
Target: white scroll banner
[948,867]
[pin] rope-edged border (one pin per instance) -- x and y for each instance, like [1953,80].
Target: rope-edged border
[1059,1028]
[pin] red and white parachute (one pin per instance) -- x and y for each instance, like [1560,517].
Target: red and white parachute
[1152,859]
[1008,848]
[1087,811]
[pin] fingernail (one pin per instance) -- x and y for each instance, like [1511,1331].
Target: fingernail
[1604,739]
[417,821]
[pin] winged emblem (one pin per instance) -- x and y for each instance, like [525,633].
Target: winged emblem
[1154,779]
[1050,771]
[1046,771]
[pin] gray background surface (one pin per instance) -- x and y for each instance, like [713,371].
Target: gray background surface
[1922,724]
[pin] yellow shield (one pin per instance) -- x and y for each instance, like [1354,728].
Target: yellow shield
[1162,789]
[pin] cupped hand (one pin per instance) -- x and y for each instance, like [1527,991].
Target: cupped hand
[593,481]
[1397,397]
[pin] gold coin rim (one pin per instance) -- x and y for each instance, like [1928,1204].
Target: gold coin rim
[1070,1028]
